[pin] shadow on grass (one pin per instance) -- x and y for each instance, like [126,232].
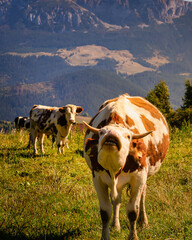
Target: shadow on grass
[26,152]
[70,234]
[20,152]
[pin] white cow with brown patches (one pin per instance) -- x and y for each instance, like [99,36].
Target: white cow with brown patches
[53,121]
[125,143]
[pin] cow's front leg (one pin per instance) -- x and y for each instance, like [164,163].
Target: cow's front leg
[59,147]
[137,186]
[116,208]
[105,206]
[142,214]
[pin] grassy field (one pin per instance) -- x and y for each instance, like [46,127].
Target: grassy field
[52,196]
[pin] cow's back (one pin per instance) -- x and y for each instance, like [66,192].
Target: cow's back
[139,116]
[42,117]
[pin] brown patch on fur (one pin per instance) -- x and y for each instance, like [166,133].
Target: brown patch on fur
[51,109]
[153,154]
[135,130]
[136,160]
[62,109]
[139,102]
[115,118]
[130,121]
[149,126]
[91,150]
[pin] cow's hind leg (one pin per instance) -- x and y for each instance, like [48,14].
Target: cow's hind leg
[30,141]
[34,141]
[41,138]
[105,206]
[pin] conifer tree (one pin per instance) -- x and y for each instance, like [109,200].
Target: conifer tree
[159,96]
[187,100]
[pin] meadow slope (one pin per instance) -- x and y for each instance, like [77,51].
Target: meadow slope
[52,196]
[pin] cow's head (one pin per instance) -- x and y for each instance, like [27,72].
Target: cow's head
[113,145]
[70,112]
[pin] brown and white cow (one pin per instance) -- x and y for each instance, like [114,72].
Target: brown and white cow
[125,143]
[52,121]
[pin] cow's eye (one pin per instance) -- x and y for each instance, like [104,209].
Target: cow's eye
[128,136]
[101,133]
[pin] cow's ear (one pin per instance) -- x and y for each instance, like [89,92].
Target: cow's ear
[79,109]
[62,109]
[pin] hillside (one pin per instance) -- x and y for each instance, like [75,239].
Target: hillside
[88,88]
[147,42]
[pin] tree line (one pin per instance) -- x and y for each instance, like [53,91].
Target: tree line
[160,97]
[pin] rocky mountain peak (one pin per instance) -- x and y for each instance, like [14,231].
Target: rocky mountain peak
[131,12]
[70,15]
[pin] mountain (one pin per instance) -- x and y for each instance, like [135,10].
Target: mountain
[51,50]
[49,15]
[129,12]
[65,15]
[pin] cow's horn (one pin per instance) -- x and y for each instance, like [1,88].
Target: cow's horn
[92,129]
[137,136]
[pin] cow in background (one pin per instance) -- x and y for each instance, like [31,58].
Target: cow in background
[22,123]
[52,121]
[125,143]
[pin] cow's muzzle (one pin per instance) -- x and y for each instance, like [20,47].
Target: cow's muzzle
[72,121]
[111,141]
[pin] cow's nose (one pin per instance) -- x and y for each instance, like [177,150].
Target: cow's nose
[72,121]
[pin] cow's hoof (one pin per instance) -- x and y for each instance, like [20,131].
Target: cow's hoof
[116,226]
[133,237]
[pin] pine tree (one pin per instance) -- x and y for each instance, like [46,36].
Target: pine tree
[159,96]
[187,100]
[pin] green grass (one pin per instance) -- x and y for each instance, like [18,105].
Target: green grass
[52,196]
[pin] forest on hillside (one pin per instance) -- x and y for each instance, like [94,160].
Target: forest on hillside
[160,97]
